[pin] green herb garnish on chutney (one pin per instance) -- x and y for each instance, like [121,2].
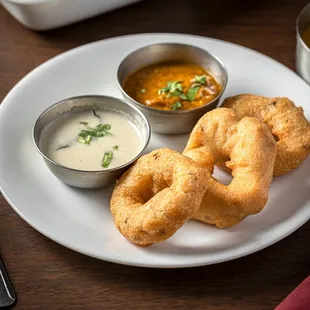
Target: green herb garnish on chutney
[86,135]
[107,158]
[85,139]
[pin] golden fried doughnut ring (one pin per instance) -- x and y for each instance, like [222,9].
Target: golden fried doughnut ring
[157,195]
[287,123]
[248,148]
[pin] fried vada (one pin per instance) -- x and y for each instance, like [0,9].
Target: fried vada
[248,149]
[286,122]
[157,195]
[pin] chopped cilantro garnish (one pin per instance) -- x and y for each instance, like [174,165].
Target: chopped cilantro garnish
[192,92]
[107,158]
[176,106]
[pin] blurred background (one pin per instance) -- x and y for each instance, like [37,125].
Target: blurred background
[266,26]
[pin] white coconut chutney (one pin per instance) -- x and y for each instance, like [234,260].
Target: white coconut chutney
[70,140]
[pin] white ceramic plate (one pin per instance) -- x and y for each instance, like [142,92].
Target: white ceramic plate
[80,219]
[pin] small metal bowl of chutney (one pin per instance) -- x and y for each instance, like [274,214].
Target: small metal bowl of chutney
[173,84]
[90,141]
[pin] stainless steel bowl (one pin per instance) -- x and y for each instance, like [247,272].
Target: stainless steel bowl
[302,50]
[172,122]
[81,178]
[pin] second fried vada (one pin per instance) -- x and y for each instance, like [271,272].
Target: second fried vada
[248,149]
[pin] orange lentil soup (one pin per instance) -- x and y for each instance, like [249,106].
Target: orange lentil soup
[172,86]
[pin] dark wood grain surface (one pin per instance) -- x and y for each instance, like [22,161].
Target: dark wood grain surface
[48,276]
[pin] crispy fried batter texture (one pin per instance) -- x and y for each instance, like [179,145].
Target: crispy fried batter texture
[248,148]
[287,123]
[157,195]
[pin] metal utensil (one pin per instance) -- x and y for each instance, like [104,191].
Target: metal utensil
[302,50]
[7,294]
[172,122]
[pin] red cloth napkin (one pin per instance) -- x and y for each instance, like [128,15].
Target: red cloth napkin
[299,299]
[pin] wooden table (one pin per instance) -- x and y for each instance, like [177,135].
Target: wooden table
[48,276]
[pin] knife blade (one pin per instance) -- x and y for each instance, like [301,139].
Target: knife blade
[7,294]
